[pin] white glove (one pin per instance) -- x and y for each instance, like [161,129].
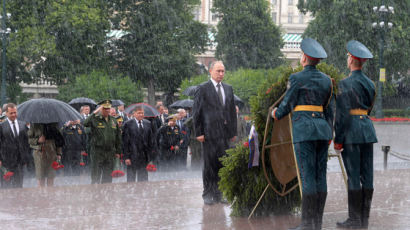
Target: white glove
[339,152]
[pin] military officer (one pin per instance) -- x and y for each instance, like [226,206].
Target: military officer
[355,135]
[307,98]
[75,145]
[105,142]
[169,137]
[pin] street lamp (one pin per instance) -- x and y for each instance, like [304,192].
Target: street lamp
[382,25]
[4,32]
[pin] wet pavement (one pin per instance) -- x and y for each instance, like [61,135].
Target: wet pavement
[172,200]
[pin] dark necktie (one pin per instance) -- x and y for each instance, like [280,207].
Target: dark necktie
[14,129]
[140,126]
[220,93]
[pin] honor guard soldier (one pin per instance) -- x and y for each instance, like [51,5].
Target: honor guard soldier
[307,98]
[355,135]
[105,142]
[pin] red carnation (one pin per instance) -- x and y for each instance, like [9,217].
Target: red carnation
[84,154]
[246,144]
[183,132]
[56,165]
[151,168]
[82,163]
[268,91]
[117,173]
[172,147]
[7,176]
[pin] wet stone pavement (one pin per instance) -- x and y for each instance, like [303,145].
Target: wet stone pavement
[173,201]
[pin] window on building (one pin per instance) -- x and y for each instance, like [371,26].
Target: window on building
[290,17]
[290,2]
[274,15]
[301,18]
[215,17]
[273,2]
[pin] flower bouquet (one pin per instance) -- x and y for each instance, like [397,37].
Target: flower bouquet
[57,165]
[82,161]
[117,172]
[151,167]
[6,173]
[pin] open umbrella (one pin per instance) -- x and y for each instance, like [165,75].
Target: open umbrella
[47,110]
[238,101]
[80,101]
[116,103]
[149,111]
[190,91]
[185,103]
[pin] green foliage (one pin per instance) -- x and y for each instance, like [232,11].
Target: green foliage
[163,38]
[337,22]
[100,86]
[247,36]
[243,185]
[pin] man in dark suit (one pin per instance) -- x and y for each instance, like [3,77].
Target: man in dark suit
[215,125]
[138,144]
[14,148]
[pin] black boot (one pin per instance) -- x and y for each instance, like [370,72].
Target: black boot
[367,195]
[321,201]
[309,206]
[355,210]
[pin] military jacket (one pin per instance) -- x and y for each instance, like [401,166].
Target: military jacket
[169,137]
[308,87]
[355,92]
[74,137]
[105,134]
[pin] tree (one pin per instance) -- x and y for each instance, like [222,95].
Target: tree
[161,41]
[247,36]
[54,40]
[99,86]
[337,22]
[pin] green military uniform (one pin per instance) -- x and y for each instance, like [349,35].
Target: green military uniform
[105,143]
[355,132]
[307,97]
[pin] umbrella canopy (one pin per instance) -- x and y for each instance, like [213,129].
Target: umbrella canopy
[186,103]
[190,91]
[46,110]
[116,103]
[238,101]
[149,111]
[80,101]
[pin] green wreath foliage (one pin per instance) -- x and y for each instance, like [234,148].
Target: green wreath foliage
[242,187]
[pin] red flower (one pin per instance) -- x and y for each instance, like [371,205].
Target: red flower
[246,144]
[183,132]
[82,163]
[151,168]
[117,173]
[56,165]
[172,147]
[84,154]
[8,175]
[268,91]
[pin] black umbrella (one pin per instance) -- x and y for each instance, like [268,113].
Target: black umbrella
[238,101]
[190,91]
[185,103]
[46,110]
[80,101]
[116,103]
[149,111]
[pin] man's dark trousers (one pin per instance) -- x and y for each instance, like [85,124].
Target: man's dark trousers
[213,149]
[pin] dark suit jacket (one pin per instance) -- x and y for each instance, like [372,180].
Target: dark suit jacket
[138,147]
[13,151]
[211,118]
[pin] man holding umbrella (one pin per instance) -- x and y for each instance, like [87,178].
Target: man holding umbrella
[105,142]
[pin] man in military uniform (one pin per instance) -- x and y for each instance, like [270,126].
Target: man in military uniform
[105,142]
[169,137]
[355,135]
[75,146]
[307,98]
